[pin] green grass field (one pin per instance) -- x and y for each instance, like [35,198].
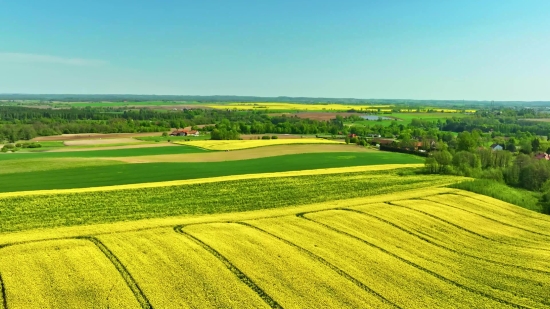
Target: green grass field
[130,152]
[125,173]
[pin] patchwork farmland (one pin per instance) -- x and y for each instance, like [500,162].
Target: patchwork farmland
[289,213]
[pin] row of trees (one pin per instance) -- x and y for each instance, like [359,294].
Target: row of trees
[521,171]
[18,123]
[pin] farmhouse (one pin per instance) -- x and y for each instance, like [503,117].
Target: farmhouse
[184,132]
[496,147]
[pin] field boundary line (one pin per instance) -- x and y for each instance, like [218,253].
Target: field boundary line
[310,172]
[326,263]
[463,228]
[3,293]
[437,218]
[421,268]
[444,247]
[130,281]
[234,269]
[488,218]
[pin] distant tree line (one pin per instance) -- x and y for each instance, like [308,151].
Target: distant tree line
[21,123]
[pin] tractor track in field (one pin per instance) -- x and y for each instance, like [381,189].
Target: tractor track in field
[326,263]
[464,195]
[463,228]
[130,281]
[421,268]
[444,247]
[3,293]
[488,218]
[234,269]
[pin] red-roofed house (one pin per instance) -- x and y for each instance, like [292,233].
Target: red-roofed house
[185,132]
[542,156]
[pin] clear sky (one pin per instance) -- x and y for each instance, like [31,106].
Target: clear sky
[408,49]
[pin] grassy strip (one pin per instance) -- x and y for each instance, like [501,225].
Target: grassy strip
[45,211]
[494,189]
[120,174]
[34,165]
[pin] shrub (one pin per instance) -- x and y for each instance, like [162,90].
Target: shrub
[274,137]
[266,137]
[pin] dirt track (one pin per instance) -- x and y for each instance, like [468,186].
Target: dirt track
[144,145]
[72,137]
[245,154]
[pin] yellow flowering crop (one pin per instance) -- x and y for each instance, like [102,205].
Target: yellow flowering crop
[244,144]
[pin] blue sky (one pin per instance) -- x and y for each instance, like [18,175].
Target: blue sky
[480,50]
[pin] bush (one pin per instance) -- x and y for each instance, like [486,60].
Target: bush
[493,174]
[31,145]
[266,137]
[274,137]
[353,140]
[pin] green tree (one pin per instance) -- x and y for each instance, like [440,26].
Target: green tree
[535,144]
[444,160]
[465,141]
[525,146]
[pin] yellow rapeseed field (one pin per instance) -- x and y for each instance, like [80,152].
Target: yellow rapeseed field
[291,277]
[188,275]
[68,273]
[437,110]
[430,247]
[405,286]
[446,264]
[245,144]
[459,239]
[300,107]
